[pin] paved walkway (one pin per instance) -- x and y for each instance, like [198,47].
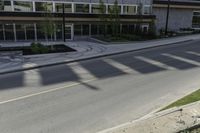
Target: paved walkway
[85,50]
[169,121]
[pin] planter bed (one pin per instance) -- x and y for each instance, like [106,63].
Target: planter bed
[26,50]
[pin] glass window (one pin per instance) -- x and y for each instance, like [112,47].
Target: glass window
[43,6]
[30,32]
[125,29]
[132,29]
[102,29]
[111,7]
[130,9]
[82,8]
[196,19]
[1,32]
[5,6]
[128,28]
[49,6]
[9,32]
[94,29]
[77,30]
[20,31]
[96,8]
[59,7]
[59,32]
[196,13]
[40,32]
[23,6]
[68,32]
[85,29]
[145,28]
[109,29]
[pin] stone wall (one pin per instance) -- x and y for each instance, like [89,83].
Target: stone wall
[178,18]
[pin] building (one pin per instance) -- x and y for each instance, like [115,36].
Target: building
[182,14]
[23,20]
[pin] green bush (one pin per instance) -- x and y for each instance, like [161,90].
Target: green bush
[38,48]
[35,48]
[44,49]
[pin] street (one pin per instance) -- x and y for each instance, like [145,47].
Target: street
[93,95]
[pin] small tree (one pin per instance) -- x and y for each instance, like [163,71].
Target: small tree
[111,20]
[49,26]
[115,18]
[102,16]
[152,29]
[116,13]
[140,13]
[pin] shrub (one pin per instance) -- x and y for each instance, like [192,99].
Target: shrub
[44,49]
[38,48]
[35,48]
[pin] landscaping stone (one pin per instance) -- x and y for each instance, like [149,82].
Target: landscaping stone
[168,121]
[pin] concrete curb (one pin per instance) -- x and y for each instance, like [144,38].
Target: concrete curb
[93,57]
[99,41]
[149,116]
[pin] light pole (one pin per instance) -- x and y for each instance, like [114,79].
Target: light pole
[167,17]
[63,15]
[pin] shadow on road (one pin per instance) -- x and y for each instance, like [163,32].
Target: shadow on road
[182,57]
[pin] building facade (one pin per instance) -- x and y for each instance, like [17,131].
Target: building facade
[182,14]
[23,20]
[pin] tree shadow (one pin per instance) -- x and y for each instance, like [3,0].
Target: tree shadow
[11,81]
[101,69]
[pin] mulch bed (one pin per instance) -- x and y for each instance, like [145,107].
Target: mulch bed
[58,48]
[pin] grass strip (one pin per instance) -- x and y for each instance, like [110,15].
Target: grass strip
[193,97]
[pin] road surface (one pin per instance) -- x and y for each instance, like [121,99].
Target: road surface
[89,96]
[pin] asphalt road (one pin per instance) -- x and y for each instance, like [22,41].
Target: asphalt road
[89,96]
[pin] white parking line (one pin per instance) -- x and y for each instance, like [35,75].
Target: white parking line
[157,63]
[193,53]
[32,77]
[182,59]
[121,67]
[44,92]
[80,71]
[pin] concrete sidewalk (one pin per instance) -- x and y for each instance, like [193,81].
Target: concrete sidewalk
[85,50]
[169,121]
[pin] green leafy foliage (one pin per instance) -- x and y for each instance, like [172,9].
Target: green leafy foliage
[193,97]
[102,16]
[38,48]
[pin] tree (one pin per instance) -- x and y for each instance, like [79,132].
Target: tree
[152,29]
[116,12]
[115,18]
[140,19]
[102,16]
[48,25]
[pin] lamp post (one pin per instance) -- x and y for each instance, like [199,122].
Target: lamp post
[167,17]
[63,15]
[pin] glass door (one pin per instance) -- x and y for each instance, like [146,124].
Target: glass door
[68,32]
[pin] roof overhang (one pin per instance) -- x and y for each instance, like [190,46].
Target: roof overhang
[176,4]
[69,17]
